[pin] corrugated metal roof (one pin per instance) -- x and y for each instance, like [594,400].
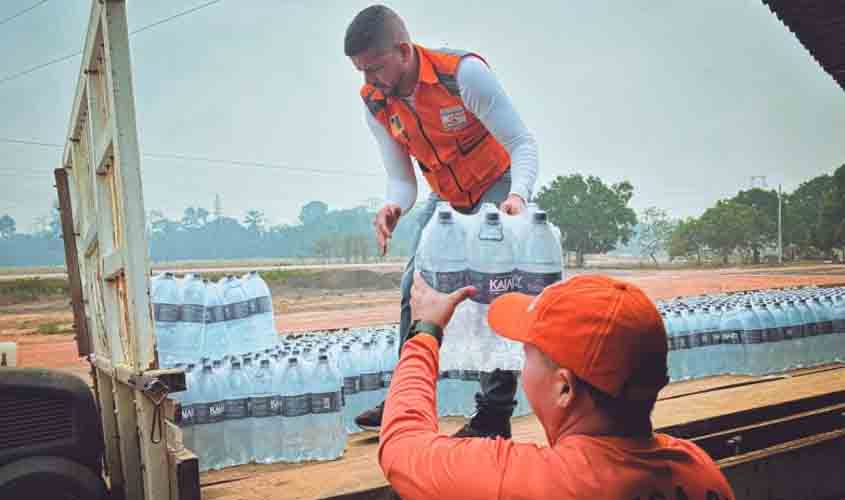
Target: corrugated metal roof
[820,26]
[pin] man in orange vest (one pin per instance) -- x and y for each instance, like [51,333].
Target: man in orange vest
[447,110]
[595,360]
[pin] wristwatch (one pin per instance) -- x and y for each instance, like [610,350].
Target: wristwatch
[420,326]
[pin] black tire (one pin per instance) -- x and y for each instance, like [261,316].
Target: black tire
[53,478]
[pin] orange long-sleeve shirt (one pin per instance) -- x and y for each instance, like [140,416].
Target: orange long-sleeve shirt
[419,463]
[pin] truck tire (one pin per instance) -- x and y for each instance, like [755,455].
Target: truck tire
[50,477]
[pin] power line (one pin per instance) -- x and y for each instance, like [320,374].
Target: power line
[22,12]
[219,161]
[15,76]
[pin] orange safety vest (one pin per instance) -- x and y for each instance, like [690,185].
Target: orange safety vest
[457,154]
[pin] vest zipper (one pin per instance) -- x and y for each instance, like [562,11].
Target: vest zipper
[434,150]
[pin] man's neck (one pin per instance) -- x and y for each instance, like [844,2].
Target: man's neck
[593,425]
[408,83]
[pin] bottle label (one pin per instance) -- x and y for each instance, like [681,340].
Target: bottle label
[370,381]
[825,327]
[209,413]
[167,312]
[193,313]
[236,408]
[186,415]
[489,286]
[453,374]
[682,341]
[839,326]
[694,340]
[200,413]
[276,405]
[705,339]
[670,344]
[263,305]
[325,402]
[752,336]
[260,407]
[445,282]
[775,334]
[296,406]
[385,378]
[471,375]
[351,385]
[214,314]
[534,283]
[238,310]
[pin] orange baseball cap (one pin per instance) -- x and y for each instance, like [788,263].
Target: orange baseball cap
[606,331]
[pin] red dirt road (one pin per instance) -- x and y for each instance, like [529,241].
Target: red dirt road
[59,351]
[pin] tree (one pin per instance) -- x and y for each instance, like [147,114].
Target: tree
[763,230]
[594,217]
[7,226]
[655,231]
[687,240]
[833,212]
[803,214]
[312,212]
[323,248]
[254,220]
[726,227]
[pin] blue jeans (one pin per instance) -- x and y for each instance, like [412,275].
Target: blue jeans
[498,388]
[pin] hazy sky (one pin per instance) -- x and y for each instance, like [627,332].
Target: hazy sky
[684,99]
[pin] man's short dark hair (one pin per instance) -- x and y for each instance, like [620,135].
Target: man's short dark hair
[633,418]
[376,27]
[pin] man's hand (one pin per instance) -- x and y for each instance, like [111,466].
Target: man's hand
[385,223]
[427,304]
[513,205]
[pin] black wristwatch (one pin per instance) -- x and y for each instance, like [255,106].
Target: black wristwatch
[419,326]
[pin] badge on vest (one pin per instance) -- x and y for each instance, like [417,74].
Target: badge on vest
[396,127]
[454,118]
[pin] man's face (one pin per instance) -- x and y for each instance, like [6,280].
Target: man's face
[382,69]
[542,384]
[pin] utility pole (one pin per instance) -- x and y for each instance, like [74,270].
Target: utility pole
[780,225]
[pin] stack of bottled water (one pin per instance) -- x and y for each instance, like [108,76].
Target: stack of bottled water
[496,253]
[754,333]
[195,318]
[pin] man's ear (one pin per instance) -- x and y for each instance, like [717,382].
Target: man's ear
[566,384]
[406,50]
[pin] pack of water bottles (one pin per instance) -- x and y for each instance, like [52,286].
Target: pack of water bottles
[496,253]
[195,318]
[754,333]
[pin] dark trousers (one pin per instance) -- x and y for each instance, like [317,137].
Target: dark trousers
[498,388]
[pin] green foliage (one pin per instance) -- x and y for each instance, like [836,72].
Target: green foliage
[7,226]
[687,240]
[30,289]
[595,217]
[655,231]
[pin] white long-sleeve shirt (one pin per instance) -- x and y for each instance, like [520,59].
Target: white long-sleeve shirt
[484,96]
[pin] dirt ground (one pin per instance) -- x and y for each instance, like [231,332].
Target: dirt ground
[44,332]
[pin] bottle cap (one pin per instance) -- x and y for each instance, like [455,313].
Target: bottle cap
[540,216]
[444,215]
[491,217]
[323,357]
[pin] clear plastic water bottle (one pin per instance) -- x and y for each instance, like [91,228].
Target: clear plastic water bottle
[826,339]
[811,337]
[296,410]
[186,406]
[370,363]
[731,328]
[190,338]
[237,428]
[327,416]
[261,414]
[390,358]
[539,262]
[209,414]
[352,397]
[167,312]
[239,328]
[491,268]
[261,309]
[794,335]
[216,344]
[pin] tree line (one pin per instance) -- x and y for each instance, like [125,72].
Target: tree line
[594,217]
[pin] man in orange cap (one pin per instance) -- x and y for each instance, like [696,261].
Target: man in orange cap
[595,360]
